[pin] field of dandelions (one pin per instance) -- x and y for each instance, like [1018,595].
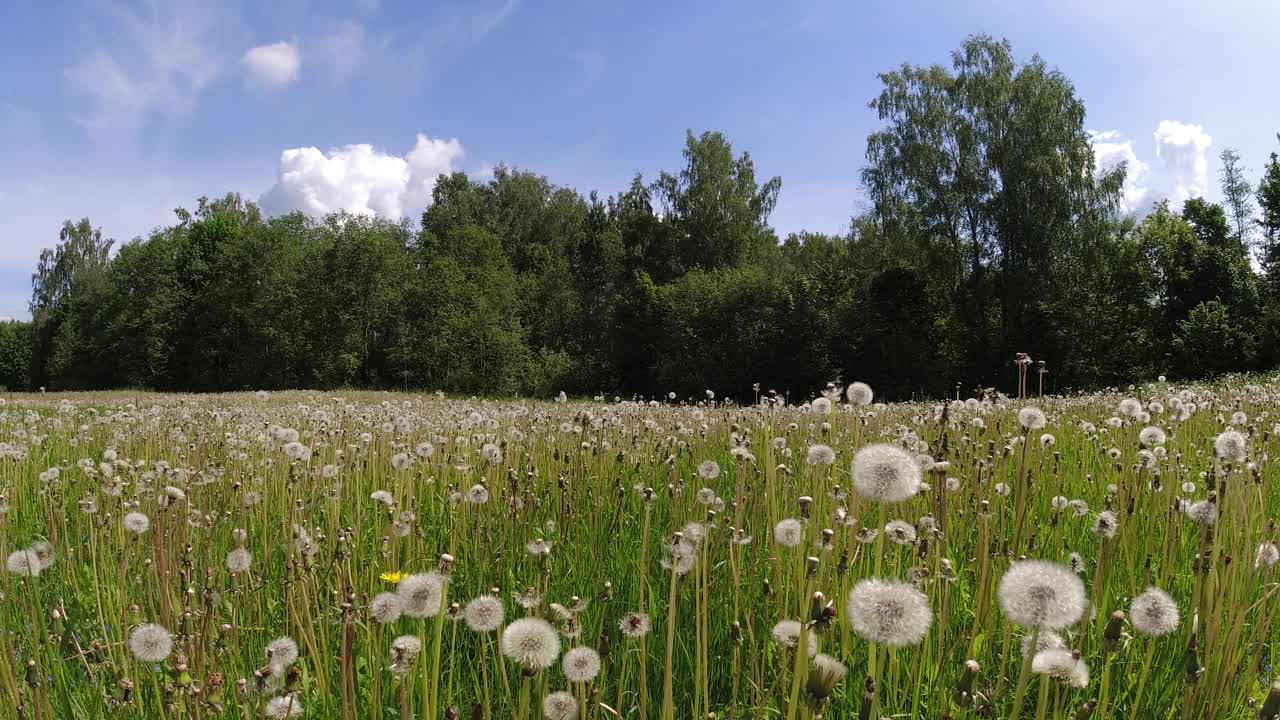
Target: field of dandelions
[300,555]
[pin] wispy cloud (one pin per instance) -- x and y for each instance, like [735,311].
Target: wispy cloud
[485,22]
[162,59]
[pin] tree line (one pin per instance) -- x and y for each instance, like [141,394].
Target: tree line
[986,232]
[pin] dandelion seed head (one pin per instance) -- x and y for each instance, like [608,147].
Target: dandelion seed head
[1151,436]
[1046,640]
[150,643]
[787,634]
[1231,446]
[421,594]
[238,561]
[900,532]
[477,495]
[634,625]
[386,608]
[136,523]
[1203,512]
[889,612]
[1062,666]
[560,705]
[885,473]
[580,664]
[1267,556]
[531,642]
[788,532]
[23,563]
[820,455]
[1154,613]
[282,651]
[484,614]
[1031,418]
[283,707]
[1105,525]
[405,650]
[859,393]
[1039,593]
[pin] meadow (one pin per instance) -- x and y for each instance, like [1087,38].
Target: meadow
[383,555]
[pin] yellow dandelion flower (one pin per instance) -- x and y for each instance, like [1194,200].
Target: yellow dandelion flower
[394,577]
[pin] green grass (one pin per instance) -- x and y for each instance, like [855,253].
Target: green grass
[574,474]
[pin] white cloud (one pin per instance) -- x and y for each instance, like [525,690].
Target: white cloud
[273,66]
[1109,150]
[360,178]
[343,50]
[161,63]
[484,23]
[1183,148]
[1180,171]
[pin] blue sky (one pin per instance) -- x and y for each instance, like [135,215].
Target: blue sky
[122,111]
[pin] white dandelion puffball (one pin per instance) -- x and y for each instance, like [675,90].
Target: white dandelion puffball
[820,455]
[1267,556]
[532,642]
[1231,446]
[150,643]
[900,532]
[282,651]
[1061,665]
[477,495]
[787,634]
[23,563]
[1031,418]
[1203,512]
[44,553]
[137,523]
[634,625]
[386,608]
[1039,593]
[708,470]
[405,649]
[889,612]
[1151,436]
[484,614]
[1130,407]
[859,393]
[788,532]
[1105,525]
[238,561]
[820,406]
[581,665]
[1154,613]
[828,670]
[284,707]
[560,705]
[1046,640]
[421,594]
[885,473]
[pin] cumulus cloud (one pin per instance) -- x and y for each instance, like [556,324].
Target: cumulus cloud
[1183,150]
[273,66]
[1111,149]
[1180,170]
[360,178]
